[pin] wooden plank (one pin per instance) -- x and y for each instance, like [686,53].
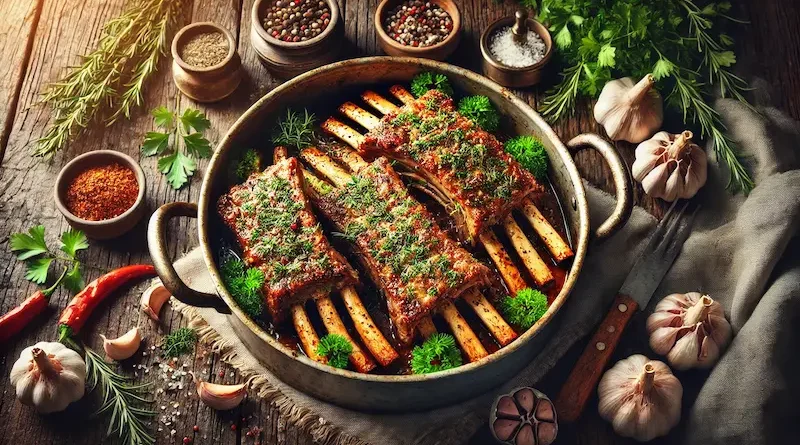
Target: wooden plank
[19,21]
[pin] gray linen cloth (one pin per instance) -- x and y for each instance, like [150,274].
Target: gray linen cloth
[743,252]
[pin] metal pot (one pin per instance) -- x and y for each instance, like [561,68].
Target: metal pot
[387,392]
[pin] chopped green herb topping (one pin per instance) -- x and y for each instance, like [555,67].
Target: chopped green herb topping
[525,309]
[244,284]
[529,152]
[336,349]
[438,353]
[481,111]
[427,80]
[179,342]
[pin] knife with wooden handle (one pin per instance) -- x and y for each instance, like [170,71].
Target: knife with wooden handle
[655,260]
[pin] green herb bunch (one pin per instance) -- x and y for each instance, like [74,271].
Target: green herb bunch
[178,342]
[110,80]
[188,127]
[529,152]
[336,349]
[427,80]
[32,248]
[438,353]
[525,309]
[296,130]
[244,283]
[480,110]
[249,163]
[681,42]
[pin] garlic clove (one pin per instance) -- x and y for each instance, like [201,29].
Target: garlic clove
[662,340]
[220,397]
[153,299]
[684,355]
[655,183]
[122,347]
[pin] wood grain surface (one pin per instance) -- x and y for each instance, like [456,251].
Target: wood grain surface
[38,38]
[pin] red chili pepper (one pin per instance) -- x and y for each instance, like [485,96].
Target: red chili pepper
[16,319]
[78,310]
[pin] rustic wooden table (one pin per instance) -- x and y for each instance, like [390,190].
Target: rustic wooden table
[40,37]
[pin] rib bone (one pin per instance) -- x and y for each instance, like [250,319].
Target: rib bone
[333,323]
[555,244]
[401,94]
[464,334]
[533,262]
[377,102]
[360,115]
[370,334]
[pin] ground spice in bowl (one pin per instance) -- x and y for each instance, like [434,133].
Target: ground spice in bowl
[205,49]
[102,192]
[418,24]
[508,51]
[297,20]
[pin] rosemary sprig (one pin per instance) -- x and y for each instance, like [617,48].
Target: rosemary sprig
[110,79]
[296,130]
[122,398]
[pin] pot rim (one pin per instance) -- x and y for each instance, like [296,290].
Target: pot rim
[227,143]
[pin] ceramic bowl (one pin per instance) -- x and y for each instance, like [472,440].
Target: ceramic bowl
[440,51]
[288,59]
[109,228]
[510,76]
[208,84]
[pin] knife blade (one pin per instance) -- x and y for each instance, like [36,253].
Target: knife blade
[639,286]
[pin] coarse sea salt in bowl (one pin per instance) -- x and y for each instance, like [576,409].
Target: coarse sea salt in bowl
[514,63]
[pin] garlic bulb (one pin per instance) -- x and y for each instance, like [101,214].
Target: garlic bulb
[220,397]
[49,376]
[153,299]
[640,397]
[690,329]
[670,166]
[629,111]
[124,346]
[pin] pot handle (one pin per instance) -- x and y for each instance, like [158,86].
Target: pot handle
[157,244]
[622,182]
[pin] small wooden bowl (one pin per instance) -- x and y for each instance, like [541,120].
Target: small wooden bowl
[107,228]
[208,84]
[510,76]
[288,59]
[440,51]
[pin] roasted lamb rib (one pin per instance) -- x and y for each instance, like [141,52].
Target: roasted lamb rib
[278,234]
[467,164]
[416,265]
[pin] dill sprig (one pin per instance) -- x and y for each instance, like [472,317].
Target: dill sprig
[681,42]
[295,130]
[529,152]
[427,80]
[110,80]
[437,353]
[122,398]
[178,342]
[525,309]
[336,349]
[480,110]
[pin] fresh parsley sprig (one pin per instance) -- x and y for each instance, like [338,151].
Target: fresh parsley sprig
[480,110]
[249,163]
[244,283]
[438,353]
[427,80]
[681,42]
[336,349]
[529,152]
[525,309]
[188,127]
[32,248]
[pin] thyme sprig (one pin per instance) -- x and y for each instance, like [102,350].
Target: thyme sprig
[122,398]
[296,130]
[110,80]
[681,42]
[181,341]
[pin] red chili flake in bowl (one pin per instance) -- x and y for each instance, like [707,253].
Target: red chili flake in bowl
[102,192]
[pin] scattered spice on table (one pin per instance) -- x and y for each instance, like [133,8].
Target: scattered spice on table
[297,20]
[513,53]
[102,192]
[205,49]
[419,24]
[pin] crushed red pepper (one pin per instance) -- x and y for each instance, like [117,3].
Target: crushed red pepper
[102,192]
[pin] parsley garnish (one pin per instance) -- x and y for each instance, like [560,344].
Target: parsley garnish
[249,163]
[295,130]
[244,283]
[683,44]
[438,353]
[529,152]
[179,342]
[336,349]
[525,309]
[32,248]
[189,127]
[427,80]
[481,111]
